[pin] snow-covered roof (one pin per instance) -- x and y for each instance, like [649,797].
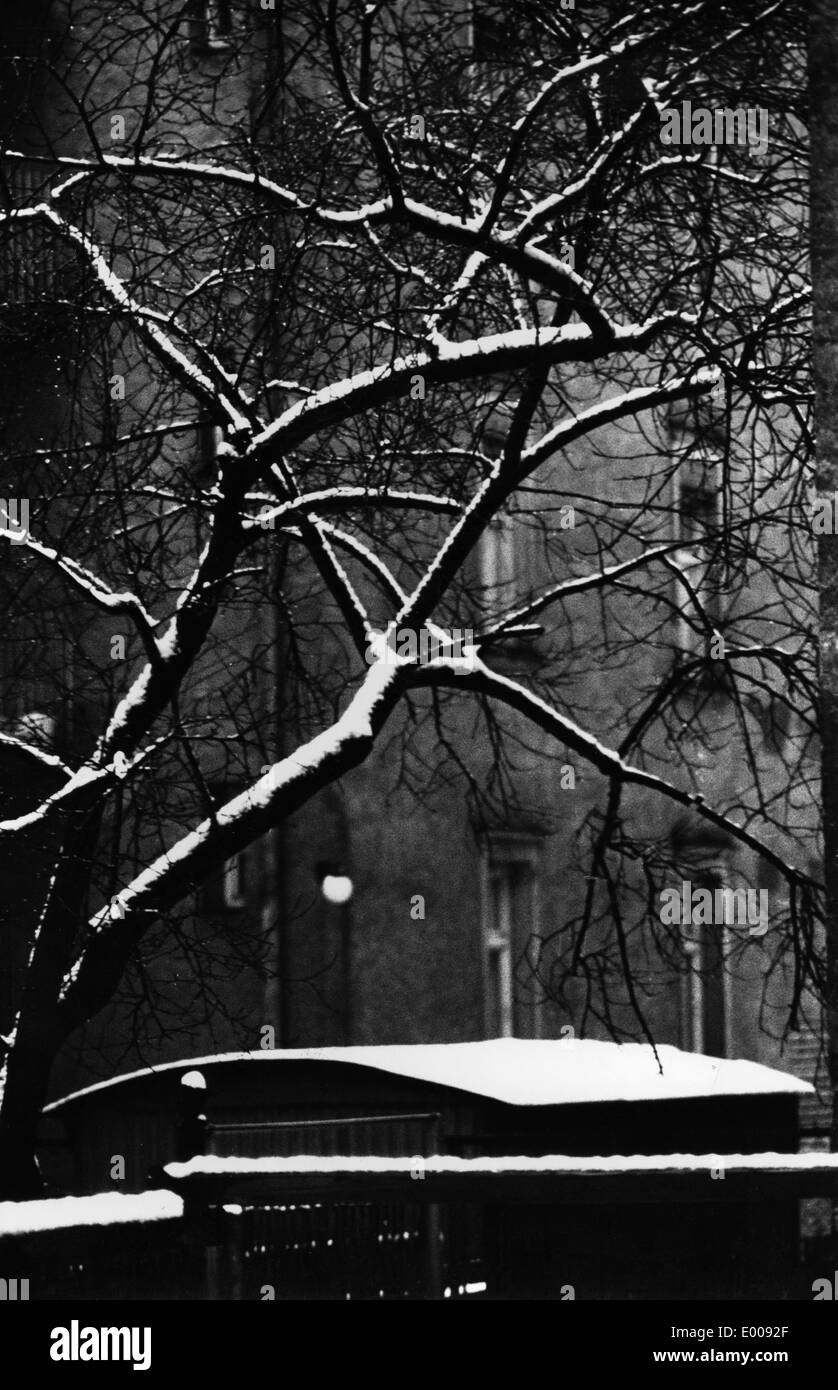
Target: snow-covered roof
[523,1071]
[102,1209]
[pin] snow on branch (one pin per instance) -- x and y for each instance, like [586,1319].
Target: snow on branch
[614,143]
[699,381]
[332,572]
[589,65]
[288,785]
[338,499]
[570,587]
[368,558]
[462,285]
[212,393]
[452,361]
[510,250]
[145,164]
[499,484]
[604,759]
[91,778]
[95,590]
[72,793]
[40,754]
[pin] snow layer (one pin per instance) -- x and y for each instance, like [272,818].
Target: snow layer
[532,1072]
[102,1209]
[306,1164]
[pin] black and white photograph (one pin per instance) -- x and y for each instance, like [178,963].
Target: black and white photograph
[419,666]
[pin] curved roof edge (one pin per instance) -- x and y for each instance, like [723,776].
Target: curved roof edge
[520,1071]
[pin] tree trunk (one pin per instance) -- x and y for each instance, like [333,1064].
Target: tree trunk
[27,1074]
[42,1022]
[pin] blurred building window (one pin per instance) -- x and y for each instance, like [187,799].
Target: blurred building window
[235,882]
[209,26]
[510,913]
[698,520]
[704,1001]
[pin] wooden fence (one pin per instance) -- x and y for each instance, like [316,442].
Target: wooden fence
[269,1250]
[348,1227]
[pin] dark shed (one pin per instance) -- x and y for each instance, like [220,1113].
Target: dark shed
[488,1099]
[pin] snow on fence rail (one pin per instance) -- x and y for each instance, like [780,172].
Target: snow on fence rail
[506,1167]
[104,1246]
[213,1180]
[330,1226]
[101,1209]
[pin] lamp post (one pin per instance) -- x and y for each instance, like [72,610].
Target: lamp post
[337,888]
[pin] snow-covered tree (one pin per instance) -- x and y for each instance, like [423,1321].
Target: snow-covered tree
[309,301]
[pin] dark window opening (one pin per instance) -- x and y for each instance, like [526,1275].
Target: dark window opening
[209,26]
[698,514]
